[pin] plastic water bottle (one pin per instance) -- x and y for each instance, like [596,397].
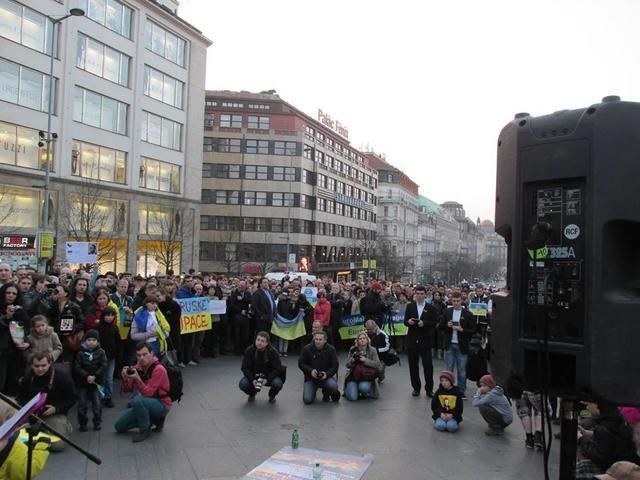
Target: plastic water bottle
[295,439]
[317,472]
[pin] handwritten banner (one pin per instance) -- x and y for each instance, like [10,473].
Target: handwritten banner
[196,316]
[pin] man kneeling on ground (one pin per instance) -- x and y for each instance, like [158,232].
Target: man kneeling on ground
[319,362]
[152,402]
[261,367]
[493,405]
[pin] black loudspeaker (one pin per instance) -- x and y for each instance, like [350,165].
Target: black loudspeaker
[568,206]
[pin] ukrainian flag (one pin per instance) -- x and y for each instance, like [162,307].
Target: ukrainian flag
[289,329]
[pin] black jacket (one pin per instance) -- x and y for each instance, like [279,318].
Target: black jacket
[269,365]
[238,301]
[612,441]
[420,337]
[172,312]
[325,360]
[337,308]
[85,305]
[109,339]
[262,310]
[37,303]
[89,362]
[373,308]
[447,401]
[62,394]
[70,310]
[467,323]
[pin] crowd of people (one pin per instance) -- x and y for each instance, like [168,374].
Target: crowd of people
[72,333]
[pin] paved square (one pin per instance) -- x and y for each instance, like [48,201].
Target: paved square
[215,434]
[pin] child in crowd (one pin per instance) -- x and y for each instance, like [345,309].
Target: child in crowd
[493,405]
[42,339]
[111,343]
[89,371]
[446,404]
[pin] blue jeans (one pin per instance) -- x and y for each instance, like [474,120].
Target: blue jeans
[328,387]
[448,426]
[89,393]
[108,379]
[455,358]
[246,385]
[142,411]
[353,390]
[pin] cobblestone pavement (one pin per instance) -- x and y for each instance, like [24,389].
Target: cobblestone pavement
[215,434]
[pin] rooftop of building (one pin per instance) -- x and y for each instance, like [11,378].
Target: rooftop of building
[173,13]
[429,205]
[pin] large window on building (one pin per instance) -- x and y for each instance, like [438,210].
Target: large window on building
[161,176]
[109,13]
[19,147]
[162,87]
[161,131]
[98,163]
[101,60]
[89,214]
[24,86]
[285,148]
[20,207]
[25,26]
[256,172]
[155,219]
[99,111]
[229,145]
[257,146]
[256,122]
[164,43]
[230,121]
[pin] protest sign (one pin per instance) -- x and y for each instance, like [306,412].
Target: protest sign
[312,295]
[479,309]
[351,325]
[195,314]
[218,307]
[82,252]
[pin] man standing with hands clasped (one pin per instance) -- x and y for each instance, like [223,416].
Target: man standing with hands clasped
[421,318]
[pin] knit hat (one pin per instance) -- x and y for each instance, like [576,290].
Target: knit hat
[488,381]
[621,471]
[448,375]
[376,286]
[92,334]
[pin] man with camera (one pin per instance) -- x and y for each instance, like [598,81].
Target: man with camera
[319,362]
[152,402]
[261,367]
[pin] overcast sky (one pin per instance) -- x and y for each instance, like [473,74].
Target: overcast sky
[430,84]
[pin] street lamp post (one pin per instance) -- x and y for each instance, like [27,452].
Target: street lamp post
[74,12]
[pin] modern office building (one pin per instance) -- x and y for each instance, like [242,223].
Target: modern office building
[128,98]
[282,190]
[397,221]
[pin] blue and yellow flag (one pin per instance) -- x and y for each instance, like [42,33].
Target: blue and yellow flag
[289,329]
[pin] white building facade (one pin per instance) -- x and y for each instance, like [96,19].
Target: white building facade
[128,116]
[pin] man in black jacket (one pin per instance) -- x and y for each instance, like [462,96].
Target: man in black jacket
[261,367]
[319,362]
[263,306]
[372,306]
[44,377]
[459,327]
[421,318]
[238,306]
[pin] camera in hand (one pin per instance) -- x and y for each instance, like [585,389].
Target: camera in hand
[131,371]
[358,355]
[258,383]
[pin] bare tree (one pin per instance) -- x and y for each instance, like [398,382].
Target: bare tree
[7,209]
[166,226]
[367,248]
[388,260]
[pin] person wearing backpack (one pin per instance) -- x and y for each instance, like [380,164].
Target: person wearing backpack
[152,402]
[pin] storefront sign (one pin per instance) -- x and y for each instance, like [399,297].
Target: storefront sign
[18,251]
[334,125]
[19,242]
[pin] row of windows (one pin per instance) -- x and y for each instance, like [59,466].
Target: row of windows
[109,13]
[235,121]
[25,26]
[272,252]
[264,147]
[341,167]
[333,145]
[98,163]
[24,86]
[280,225]
[19,147]
[285,199]
[330,183]
[164,43]
[103,61]
[252,172]
[253,106]
[161,131]
[162,87]
[161,176]
[100,111]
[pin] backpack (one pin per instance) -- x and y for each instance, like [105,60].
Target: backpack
[175,379]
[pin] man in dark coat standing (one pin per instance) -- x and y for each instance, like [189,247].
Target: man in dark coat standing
[263,306]
[372,306]
[421,318]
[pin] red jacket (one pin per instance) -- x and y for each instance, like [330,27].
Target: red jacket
[322,312]
[157,386]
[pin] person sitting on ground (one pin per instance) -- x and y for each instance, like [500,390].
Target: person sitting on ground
[261,367]
[363,367]
[493,405]
[151,404]
[319,362]
[45,377]
[610,441]
[14,453]
[89,369]
[446,404]
[42,339]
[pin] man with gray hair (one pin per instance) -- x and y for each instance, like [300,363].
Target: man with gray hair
[6,274]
